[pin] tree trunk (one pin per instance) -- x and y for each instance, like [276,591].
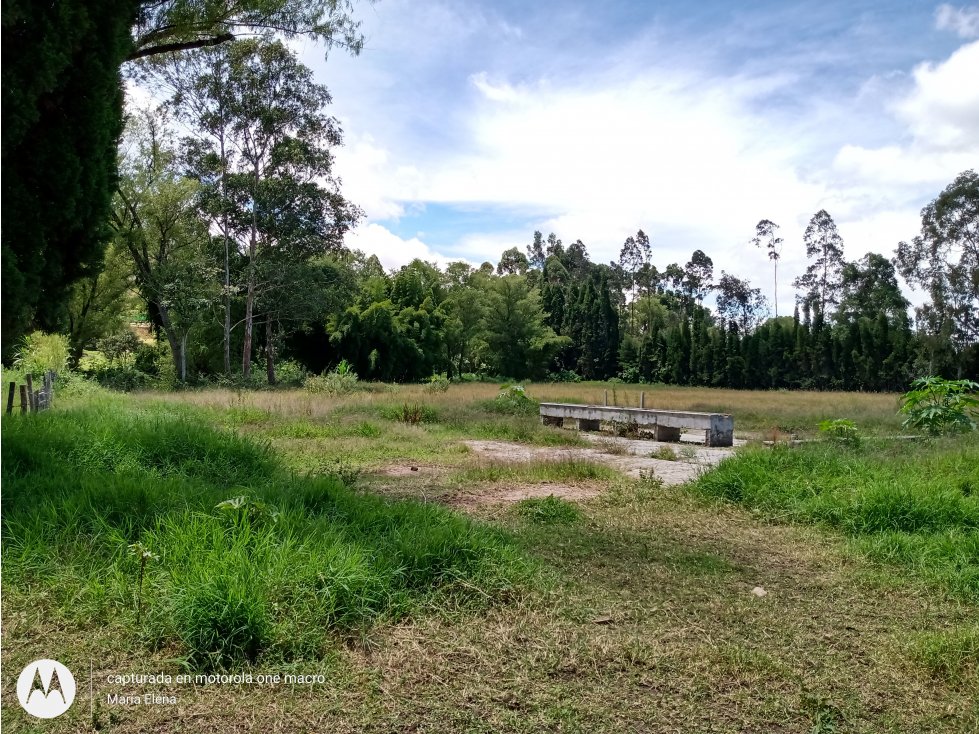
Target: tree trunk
[177,345]
[183,357]
[269,351]
[227,265]
[246,350]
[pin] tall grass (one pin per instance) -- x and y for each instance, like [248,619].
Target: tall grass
[253,562]
[915,505]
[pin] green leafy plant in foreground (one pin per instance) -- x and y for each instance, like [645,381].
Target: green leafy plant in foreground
[145,555]
[940,406]
[841,430]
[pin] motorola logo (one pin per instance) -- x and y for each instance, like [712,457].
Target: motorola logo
[46,688]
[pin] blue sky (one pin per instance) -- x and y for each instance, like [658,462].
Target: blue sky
[468,124]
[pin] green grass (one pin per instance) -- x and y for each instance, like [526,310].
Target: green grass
[274,575]
[951,655]
[910,505]
[548,510]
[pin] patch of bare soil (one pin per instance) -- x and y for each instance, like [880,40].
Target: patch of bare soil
[407,470]
[632,457]
[509,494]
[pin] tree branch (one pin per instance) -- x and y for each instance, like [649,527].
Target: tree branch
[180,46]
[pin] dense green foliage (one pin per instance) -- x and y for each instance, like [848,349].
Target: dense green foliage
[941,406]
[62,117]
[249,561]
[917,508]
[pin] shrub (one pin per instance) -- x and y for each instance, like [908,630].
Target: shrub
[564,376]
[437,383]
[118,345]
[290,372]
[841,430]
[40,352]
[341,381]
[411,413]
[513,400]
[940,406]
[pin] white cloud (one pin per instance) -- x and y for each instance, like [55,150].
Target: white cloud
[647,135]
[941,116]
[392,250]
[962,21]
[943,109]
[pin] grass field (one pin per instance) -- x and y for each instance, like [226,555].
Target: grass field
[635,610]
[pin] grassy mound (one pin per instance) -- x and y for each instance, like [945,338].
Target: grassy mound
[247,561]
[913,505]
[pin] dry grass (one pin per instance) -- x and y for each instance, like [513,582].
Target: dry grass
[760,412]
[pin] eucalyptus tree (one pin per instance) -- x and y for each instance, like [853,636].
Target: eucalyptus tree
[822,282]
[766,236]
[740,304]
[632,257]
[943,260]
[264,157]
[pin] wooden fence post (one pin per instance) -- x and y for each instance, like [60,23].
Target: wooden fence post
[31,397]
[642,400]
[23,398]
[606,397]
[10,397]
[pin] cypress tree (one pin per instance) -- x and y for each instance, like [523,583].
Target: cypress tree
[62,118]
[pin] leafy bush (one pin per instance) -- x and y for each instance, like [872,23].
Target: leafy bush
[40,352]
[841,430]
[513,400]
[411,413]
[116,373]
[118,345]
[940,406]
[437,383]
[564,376]
[290,372]
[548,510]
[341,381]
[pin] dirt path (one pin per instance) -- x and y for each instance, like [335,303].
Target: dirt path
[630,456]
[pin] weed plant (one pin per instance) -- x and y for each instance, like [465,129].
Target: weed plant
[253,562]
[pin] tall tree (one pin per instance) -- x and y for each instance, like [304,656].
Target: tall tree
[513,262]
[822,281]
[870,287]
[740,304]
[62,118]
[270,167]
[155,220]
[632,257]
[698,276]
[943,260]
[766,236]
[520,343]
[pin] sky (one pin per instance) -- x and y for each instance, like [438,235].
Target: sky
[470,124]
